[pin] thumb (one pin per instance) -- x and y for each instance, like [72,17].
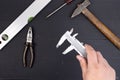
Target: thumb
[83,63]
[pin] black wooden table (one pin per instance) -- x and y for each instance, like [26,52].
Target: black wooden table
[49,63]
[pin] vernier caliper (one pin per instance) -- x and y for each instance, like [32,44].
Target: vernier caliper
[75,44]
[21,21]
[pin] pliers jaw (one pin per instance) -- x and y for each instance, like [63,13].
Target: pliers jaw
[29,35]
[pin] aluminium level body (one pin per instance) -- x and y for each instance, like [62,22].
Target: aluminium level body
[21,21]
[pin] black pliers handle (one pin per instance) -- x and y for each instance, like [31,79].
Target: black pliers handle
[28,45]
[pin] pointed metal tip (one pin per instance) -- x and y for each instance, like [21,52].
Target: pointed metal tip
[63,53]
[71,31]
[47,16]
[72,16]
[57,46]
[50,15]
[75,35]
[30,28]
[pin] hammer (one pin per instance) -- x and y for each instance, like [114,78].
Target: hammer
[99,25]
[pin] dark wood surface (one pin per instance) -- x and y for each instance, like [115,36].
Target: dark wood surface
[49,63]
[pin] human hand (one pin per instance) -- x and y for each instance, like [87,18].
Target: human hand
[95,67]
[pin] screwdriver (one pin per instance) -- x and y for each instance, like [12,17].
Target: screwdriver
[66,2]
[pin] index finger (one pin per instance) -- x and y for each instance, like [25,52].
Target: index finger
[91,55]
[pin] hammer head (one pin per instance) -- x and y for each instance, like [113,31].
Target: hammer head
[80,8]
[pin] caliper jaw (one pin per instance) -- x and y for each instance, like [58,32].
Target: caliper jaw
[75,44]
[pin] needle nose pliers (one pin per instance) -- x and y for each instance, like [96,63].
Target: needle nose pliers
[28,44]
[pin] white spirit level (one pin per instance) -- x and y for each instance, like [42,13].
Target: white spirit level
[21,21]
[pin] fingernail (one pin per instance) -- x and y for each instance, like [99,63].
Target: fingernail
[79,57]
[98,52]
[86,45]
[89,46]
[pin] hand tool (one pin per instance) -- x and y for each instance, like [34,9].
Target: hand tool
[66,2]
[82,8]
[21,21]
[75,44]
[28,44]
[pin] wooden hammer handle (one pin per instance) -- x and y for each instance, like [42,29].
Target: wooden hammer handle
[104,29]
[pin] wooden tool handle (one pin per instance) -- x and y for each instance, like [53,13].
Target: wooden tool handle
[104,29]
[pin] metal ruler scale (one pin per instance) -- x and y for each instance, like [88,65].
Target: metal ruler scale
[21,21]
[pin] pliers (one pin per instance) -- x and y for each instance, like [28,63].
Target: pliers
[28,44]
